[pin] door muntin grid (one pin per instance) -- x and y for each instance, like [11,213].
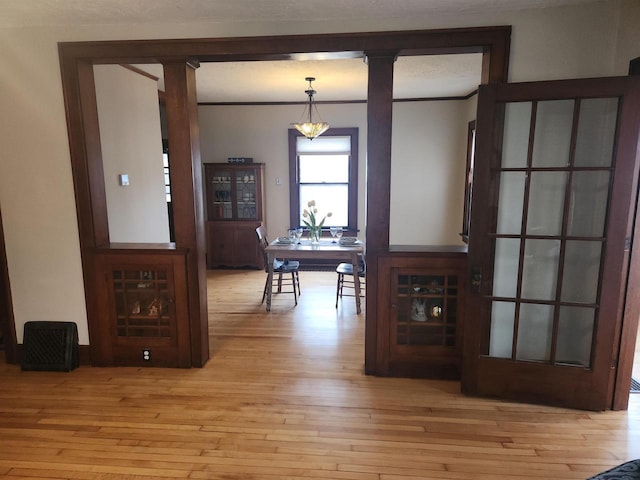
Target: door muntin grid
[426,310]
[553,186]
[143,303]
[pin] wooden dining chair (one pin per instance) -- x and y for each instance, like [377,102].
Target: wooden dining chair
[281,270]
[345,279]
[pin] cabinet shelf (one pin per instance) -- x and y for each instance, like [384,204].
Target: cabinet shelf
[427,324]
[143,317]
[425,295]
[139,286]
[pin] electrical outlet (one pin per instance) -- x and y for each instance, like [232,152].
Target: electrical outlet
[278,181]
[146,354]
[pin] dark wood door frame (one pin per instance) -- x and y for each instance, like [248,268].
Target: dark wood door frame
[380,49]
[7,324]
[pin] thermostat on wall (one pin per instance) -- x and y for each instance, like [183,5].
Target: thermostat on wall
[123,179]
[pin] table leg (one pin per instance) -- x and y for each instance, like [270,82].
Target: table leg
[356,281]
[270,259]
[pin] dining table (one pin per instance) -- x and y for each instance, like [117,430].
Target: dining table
[324,249]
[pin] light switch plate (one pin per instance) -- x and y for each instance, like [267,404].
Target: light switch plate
[123,179]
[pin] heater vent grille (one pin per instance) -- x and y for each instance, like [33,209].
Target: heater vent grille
[50,346]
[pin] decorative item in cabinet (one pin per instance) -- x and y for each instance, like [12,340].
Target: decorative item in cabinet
[234,192]
[142,302]
[427,310]
[221,206]
[246,196]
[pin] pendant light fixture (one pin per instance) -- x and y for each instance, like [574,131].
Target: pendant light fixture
[311,129]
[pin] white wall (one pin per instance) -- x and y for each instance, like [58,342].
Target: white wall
[260,131]
[428,159]
[628,38]
[129,118]
[36,188]
[472,108]
[427,164]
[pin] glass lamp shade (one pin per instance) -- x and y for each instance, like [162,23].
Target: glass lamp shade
[311,130]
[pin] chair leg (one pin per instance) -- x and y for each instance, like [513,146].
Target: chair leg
[264,293]
[293,284]
[339,288]
[295,280]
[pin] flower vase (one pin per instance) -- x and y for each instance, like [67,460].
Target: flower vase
[314,235]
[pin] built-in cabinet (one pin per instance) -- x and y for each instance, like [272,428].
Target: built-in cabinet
[144,308]
[421,313]
[234,209]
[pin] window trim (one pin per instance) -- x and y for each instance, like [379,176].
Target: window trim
[294,191]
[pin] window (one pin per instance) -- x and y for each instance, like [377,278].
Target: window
[325,170]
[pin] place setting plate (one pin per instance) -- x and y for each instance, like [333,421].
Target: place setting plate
[284,240]
[349,241]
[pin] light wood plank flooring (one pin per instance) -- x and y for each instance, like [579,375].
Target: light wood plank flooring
[284,397]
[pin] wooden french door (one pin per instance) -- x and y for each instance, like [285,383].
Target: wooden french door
[552,215]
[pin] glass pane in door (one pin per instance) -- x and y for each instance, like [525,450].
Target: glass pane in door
[580,279]
[554,119]
[546,203]
[575,332]
[589,200]
[505,267]
[535,330]
[511,202]
[515,144]
[596,132]
[502,322]
[540,269]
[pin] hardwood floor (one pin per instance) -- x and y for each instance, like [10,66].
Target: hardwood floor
[284,397]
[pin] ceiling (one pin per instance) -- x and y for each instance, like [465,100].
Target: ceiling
[336,80]
[283,81]
[129,12]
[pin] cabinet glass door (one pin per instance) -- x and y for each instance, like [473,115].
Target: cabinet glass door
[221,199]
[246,194]
[143,303]
[426,313]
